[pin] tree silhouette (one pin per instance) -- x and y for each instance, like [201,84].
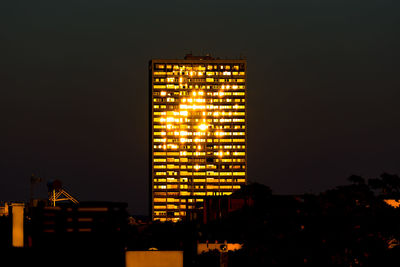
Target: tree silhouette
[391,182]
[356,179]
[388,184]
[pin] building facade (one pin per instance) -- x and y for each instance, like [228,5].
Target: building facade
[198,130]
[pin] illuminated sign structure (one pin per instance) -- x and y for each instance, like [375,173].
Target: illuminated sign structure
[198,144]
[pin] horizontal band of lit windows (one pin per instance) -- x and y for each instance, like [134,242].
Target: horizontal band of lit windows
[228,133]
[160,213]
[160,113]
[225,100]
[196,130]
[231,80]
[172,99]
[223,86]
[185,126]
[160,167]
[195,107]
[208,180]
[163,126]
[163,207]
[226,173]
[163,193]
[164,147]
[188,87]
[199,72]
[170,200]
[159,140]
[209,99]
[211,89]
[169,173]
[159,106]
[188,153]
[186,140]
[211,107]
[198,80]
[224,114]
[194,100]
[215,181]
[200,188]
[224,73]
[211,173]
[227,153]
[175,180]
[199,193]
[166,153]
[223,187]
[169,186]
[185,133]
[161,143]
[226,93]
[219,180]
[194,66]
[203,79]
[168,119]
[199,184]
[186,113]
[183,167]
[209,147]
[159,73]
[213,84]
[197,140]
[231,160]
[159,80]
[206,193]
[185,78]
[224,140]
[197,100]
[179,159]
[227,146]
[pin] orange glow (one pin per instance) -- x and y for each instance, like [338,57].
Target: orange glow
[393,203]
[203,127]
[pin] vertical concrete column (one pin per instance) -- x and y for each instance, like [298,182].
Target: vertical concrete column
[18,224]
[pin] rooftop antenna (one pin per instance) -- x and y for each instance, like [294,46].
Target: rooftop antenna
[57,193]
[34,180]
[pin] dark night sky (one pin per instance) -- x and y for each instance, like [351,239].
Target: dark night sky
[323,89]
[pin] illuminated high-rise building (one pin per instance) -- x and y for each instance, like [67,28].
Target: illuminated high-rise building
[198,144]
